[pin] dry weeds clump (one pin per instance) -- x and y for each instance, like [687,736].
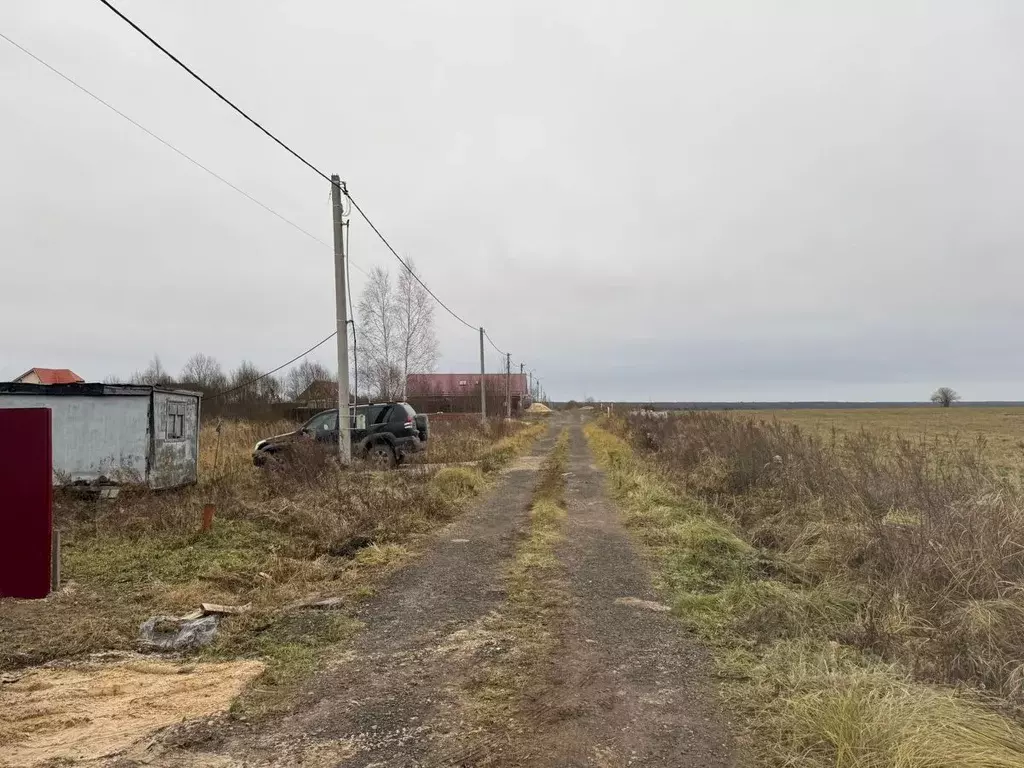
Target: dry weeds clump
[930,542]
[456,438]
[800,638]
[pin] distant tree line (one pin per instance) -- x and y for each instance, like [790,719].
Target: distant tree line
[245,385]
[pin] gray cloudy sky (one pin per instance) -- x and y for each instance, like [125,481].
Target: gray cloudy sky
[647,200]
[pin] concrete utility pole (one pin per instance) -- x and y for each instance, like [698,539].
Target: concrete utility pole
[352,320]
[483,384]
[508,385]
[344,418]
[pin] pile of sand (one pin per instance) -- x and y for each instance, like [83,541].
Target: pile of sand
[538,408]
[91,710]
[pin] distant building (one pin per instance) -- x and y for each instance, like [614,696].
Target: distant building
[320,394]
[49,376]
[126,433]
[460,392]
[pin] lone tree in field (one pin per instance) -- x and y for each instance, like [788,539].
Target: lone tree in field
[945,396]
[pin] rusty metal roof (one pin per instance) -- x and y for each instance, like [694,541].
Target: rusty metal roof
[53,375]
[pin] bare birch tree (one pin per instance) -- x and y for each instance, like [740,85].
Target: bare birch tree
[414,320]
[378,342]
[396,333]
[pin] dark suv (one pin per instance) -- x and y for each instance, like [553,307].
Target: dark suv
[383,433]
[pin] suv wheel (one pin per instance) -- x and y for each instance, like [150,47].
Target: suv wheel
[381,456]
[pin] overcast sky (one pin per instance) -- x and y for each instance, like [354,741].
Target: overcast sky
[647,200]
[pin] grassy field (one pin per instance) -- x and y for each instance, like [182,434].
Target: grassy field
[280,537]
[1001,429]
[863,592]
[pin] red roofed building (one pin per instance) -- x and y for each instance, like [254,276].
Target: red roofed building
[460,392]
[49,376]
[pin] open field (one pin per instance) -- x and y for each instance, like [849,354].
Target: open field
[862,592]
[1000,428]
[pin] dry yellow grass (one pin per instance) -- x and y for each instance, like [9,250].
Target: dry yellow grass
[808,697]
[1002,428]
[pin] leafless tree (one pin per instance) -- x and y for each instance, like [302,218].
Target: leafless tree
[300,377]
[204,372]
[414,321]
[379,345]
[152,374]
[945,396]
[249,385]
[395,331]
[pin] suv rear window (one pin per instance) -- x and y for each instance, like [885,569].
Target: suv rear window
[402,412]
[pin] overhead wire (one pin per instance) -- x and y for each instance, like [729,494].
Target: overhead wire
[167,144]
[276,140]
[496,348]
[291,151]
[275,370]
[408,268]
[214,91]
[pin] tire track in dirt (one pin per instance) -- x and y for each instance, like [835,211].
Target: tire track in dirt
[619,684]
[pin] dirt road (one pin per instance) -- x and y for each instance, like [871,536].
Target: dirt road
[450,670]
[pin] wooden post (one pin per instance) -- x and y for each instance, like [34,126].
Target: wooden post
[208,511]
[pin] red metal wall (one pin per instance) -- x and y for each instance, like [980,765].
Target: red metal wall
[26,488]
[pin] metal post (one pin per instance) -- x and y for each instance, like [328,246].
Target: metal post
[344,420]
[508,385]
[483,384]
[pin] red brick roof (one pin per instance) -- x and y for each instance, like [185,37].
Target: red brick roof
[53,376]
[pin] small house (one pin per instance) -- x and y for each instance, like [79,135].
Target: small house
[127,433]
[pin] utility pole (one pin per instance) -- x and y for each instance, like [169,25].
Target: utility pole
[508,385]
[531,386]
[352,320]
[483,387]
[344,418]
[521,396]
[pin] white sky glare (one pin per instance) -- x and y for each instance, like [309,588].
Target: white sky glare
[709,200]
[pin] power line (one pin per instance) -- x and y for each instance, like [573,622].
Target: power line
[270,373]
[170,146]
[496,348]
[291,151]
[401,261]
[217,93]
